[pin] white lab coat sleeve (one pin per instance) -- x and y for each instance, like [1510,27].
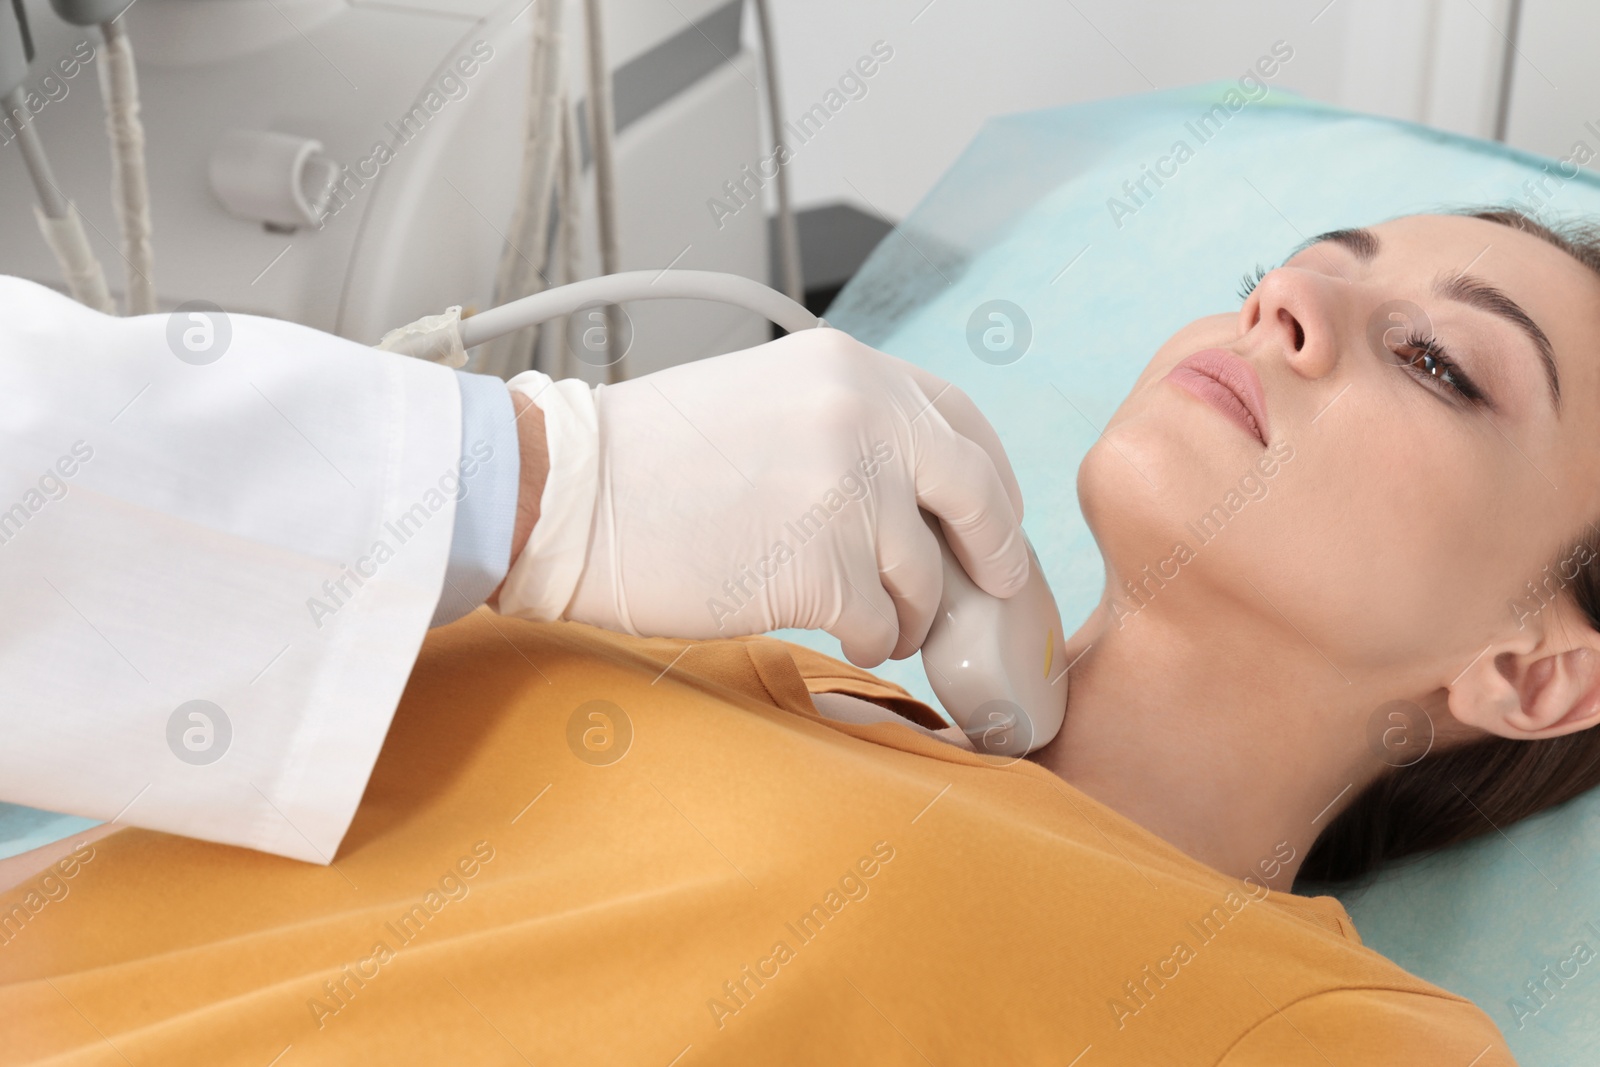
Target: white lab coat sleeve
[216,570]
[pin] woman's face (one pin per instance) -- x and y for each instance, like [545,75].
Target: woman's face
[1413,472]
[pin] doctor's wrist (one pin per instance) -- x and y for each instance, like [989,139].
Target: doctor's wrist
[534,454]
[563,490]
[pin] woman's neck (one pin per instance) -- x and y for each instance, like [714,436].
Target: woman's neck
[1239,754]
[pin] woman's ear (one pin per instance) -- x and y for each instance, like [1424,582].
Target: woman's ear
[1542,681]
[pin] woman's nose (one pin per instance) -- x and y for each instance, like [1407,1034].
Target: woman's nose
[1293,312]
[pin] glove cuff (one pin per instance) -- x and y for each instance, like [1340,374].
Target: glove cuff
[542,581]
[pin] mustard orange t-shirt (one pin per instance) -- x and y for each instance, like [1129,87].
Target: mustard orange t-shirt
[580,848]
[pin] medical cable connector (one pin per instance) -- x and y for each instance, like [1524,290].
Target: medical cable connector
[435,338]
[998,666]
[58,218]
[130,186]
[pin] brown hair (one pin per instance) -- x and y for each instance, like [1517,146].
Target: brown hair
[1462,792]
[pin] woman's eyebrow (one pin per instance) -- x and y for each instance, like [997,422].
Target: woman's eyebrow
[1475,292]
[1362,243]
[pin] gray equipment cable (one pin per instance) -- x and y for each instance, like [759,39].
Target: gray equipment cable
[130,186]
[602,146]
[568,237]
[790,275]
[58,219]
[638,285]
[51,200]
[527,245]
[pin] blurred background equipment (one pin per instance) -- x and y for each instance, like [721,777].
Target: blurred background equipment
[425,154]
[354,165]
[130,192]
[57,218]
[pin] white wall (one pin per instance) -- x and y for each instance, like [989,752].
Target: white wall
[958,62]
[1555,88]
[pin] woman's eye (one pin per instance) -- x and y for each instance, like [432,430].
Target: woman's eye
[1426,358]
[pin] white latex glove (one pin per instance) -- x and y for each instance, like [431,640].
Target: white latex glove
[774,487]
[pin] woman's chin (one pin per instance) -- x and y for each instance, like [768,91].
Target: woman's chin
[1134,514]
[1149,472]
[1160,513]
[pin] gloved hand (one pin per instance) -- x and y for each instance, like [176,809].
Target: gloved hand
[774,487]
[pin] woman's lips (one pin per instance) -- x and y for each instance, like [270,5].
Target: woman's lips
[1228,384]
